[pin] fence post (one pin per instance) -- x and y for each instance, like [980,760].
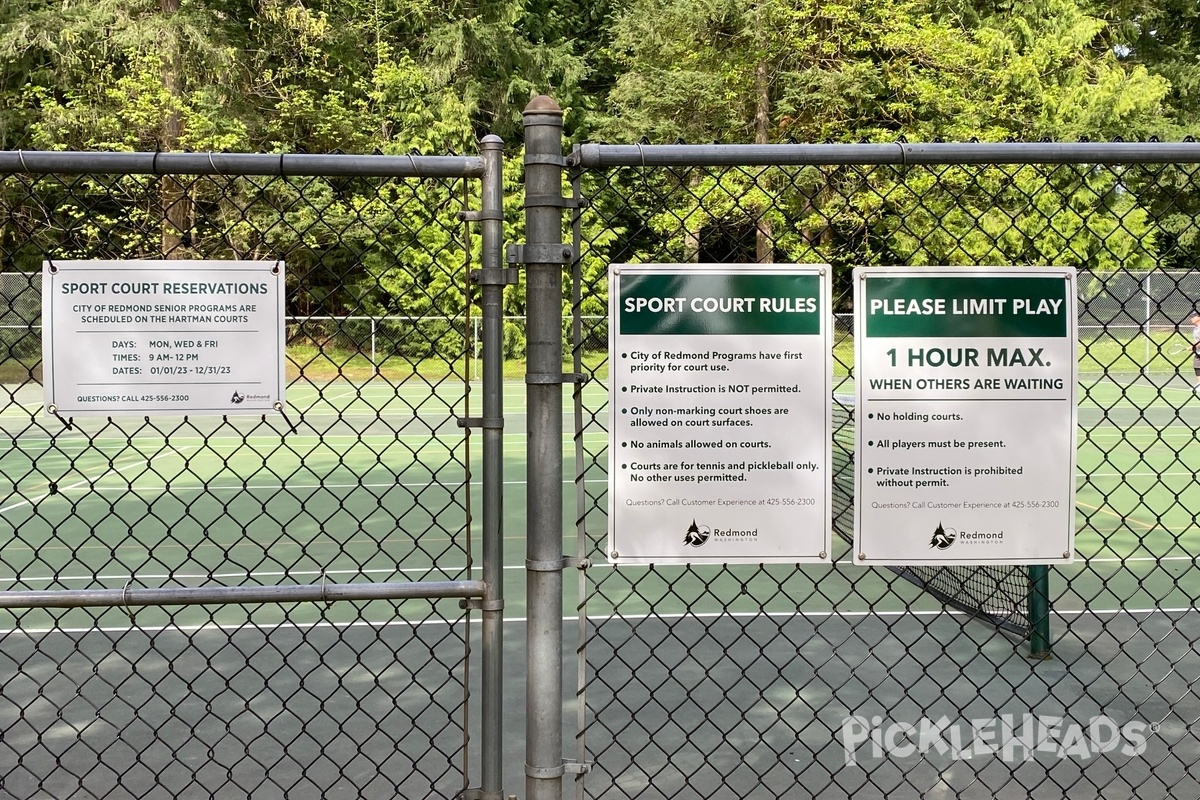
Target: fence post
[543,258]
[492,262]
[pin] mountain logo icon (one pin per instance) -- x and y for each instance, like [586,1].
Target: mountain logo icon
[696,535]
[942,538]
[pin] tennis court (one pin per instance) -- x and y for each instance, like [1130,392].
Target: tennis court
[355,482]
[739,679]
[681,681]
[369,484]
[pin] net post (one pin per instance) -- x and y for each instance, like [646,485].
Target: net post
[1039,611]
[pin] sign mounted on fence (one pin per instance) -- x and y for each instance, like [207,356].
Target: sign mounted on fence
[720,402]
[966,392]
[146,337]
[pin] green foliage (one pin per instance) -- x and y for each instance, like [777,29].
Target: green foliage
[1073,216]
[107,75]
[876,71]
[485,59]
[835,70]
[398,76]
[1163,36]
[1049,79]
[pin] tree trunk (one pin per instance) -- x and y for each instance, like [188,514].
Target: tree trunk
[691,236]
[174,201]
[764,234]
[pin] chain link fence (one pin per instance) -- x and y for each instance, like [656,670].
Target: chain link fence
[286,605]
[839,681]
[270,606]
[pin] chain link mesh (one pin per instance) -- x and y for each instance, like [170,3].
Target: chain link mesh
[365,479]
[708,681]
[837,681]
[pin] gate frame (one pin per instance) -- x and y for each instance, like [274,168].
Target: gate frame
[486,595]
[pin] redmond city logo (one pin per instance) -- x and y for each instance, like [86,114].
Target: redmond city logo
[696,535]
[238,397]
[943,538]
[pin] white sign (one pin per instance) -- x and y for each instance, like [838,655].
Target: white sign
[150,337]
[720,402]
[965,415]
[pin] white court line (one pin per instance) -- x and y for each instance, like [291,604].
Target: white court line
[192,485]
[255,487]
[226,440]
[477,620]
[1108,560]
[138,463]
[139,490]
[382,571]
[592,429]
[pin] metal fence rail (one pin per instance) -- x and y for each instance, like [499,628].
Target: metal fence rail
[769,681]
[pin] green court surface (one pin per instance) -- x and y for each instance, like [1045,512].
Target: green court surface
[371,484]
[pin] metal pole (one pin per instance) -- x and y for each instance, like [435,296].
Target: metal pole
[598,156]
[492,218]
[544,450]
[82,163]
[223,595]
[1039,611]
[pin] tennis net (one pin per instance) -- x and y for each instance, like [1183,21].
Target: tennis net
[996,594]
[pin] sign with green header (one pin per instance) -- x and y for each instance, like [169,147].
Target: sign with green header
[965,415]
[719,395]
[716,304]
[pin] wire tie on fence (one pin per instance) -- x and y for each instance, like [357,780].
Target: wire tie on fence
[213,164]
[21,158]
[125,602]
[324,596]
[282,413]
[641,154]
[903,155]
[413,161]
[53,409]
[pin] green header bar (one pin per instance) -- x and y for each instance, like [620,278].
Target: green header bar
[716,305]
[988,306]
